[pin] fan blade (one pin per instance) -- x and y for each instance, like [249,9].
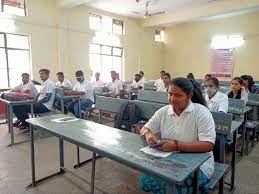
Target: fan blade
[135,12]
[157,13]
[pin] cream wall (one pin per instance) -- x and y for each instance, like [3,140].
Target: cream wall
[187,45]
[40,25]
[60,40]
[141,52]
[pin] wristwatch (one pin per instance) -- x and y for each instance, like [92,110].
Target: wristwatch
[144,132]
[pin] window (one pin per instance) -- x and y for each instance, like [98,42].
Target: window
[14,59]
[159,36]
[16,7]
[104,59]
[105,24]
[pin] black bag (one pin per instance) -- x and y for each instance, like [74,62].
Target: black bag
[128,115]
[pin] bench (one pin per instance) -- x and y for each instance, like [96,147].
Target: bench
[251,133]
[153,96]
[220,170]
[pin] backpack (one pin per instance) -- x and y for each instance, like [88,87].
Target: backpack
[16,96]
[128,115]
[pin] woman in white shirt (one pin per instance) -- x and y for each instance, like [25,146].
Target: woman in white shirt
[216,101]
[166,80]
[237,91]
[186,125]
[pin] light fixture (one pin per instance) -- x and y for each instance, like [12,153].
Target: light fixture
[227,42]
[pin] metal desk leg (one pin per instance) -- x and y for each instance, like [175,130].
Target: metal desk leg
[10,121]
[243,139]
[222,148]
[78,156]
[170,188]
[61,152]
[233,161]
[196,184]
[93,172]
[33,182]
[62,106]
[100,117]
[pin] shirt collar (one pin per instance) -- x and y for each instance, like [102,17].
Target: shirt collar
[189,108]
[214,98]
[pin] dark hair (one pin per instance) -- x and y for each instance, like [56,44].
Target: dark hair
[240,81]
[138,75]
[46,71]
[25,74]
[167,75]
[214,80]
[113,71]
[190,86]
[141,72]
[162,71]
[231,94]
[79,73]
[190,76]
[250,80]
[209,75]
[60,73]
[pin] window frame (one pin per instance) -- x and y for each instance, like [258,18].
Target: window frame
[6,48]
[24,9]
[114,21]
[112,55]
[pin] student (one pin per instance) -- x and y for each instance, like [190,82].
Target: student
[27,86]
[97,82]
[117,76]
[85,90]
[44,101]
[185,126]
[216,101]
[159,82]
[115,85]
[205,78]
[141,73]
[237,91]
[249,84]
[137,83]
[166,81]
[62,83]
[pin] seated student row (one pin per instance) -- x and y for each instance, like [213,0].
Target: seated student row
[46,96]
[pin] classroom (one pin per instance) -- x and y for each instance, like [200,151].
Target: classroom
[129,96]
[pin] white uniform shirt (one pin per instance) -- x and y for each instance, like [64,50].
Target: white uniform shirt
[219,102]
[98,83]
[137,84]
[244,95]
[47,87]
[159,82]
[28,86]
[115,86]
[86,87]
[194,124]
[162,88]
[65,84]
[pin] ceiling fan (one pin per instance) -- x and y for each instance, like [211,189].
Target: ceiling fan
[147,14]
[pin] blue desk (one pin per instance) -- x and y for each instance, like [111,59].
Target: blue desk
[67,97]
[120,146]
[240,112]
[10,105]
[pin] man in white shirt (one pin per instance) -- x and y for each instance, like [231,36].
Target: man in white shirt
[97,82]
[27,86]
[137,83]
[115,85]
[141,73]
[159,82]
[44,101]
[62,82]
[85,90]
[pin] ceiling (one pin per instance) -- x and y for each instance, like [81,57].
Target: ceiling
[125,7]
[176,11]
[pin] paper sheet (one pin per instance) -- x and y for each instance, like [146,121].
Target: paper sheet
[155,152]
[65,119]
